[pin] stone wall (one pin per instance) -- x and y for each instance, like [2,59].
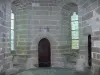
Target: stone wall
[31,23]
[66,29]
[67,11]
[5,55]
[89,24]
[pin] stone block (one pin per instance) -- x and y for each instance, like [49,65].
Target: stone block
[31,51]
[54,8]
[82,12]
[11,71]
[83,47]
[3,29]
[62,47]
[59,59]
[89,8]
[85,23]
[95,61]
[30,63]
[87,30]
[55,50]
[87,16]
[42,12]
[94,55]
[95,38]
[86,4]
[54,46]
[84,42]
[47,17]
[1,63]
[7,54]
[21,32]
[42,8]
[58,64]
[80,19]
[96,69]
[54,13]
[48,22]
[92,1]
[80,2]
[98,9]
[1,56]
[97,33]
[1,14]
[6,66]
[98,56]
[94,5]
[25,16]
[95,49]
[83,52]
[99,3]
[55,31]
[80,65]
[21,47]
[44,4]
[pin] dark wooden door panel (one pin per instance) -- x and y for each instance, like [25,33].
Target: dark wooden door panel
[44,53]
[89,51]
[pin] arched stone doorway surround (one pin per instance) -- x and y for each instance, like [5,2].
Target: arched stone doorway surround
[54,48]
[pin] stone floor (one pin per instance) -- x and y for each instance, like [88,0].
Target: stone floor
[52,71]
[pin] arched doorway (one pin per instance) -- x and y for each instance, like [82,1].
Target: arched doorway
[44,53]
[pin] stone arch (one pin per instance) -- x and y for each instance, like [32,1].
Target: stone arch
[68,8]
[61,3]
[47,35]
[66,12]
[71,7]
[53,43]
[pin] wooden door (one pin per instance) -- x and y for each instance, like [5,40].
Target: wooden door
[44,53]
[89,50]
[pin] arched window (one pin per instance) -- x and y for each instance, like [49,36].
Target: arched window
[12,31]
[75,31]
